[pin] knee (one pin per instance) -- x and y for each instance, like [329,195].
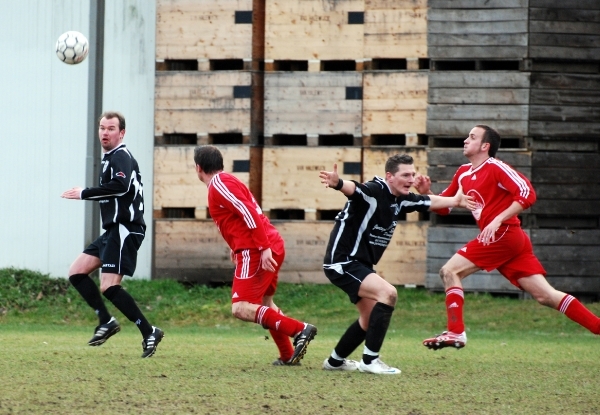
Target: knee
[446,275]
[544,298]
[238,310]
[390,296]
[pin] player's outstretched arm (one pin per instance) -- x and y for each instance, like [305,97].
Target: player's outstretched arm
[74,193]
[423,184]
[458,200]
[332,179]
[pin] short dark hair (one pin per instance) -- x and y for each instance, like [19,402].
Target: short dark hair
[209,158]
[490,136]
[114,114]
[392,164]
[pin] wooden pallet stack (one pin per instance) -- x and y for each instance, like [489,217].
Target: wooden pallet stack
[530,69]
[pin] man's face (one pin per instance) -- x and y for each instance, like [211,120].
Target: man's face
[401,181]
[109,133]
[474,144]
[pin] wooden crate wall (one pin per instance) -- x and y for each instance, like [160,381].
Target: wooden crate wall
[190,250]
[312,103]
[176,184]
[201,103]
[565,30]
[291,177]
[477,29]
[394,103]
[202,30]
[313,30]
[395,29]
[565,105]
[458,100]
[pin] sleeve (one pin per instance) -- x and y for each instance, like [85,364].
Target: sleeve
[121,167]
[370,188]
[238,200]
[516,184]
[450,191]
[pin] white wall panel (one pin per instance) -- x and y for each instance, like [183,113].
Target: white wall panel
[43,114]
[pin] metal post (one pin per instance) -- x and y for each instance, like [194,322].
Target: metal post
[96,72]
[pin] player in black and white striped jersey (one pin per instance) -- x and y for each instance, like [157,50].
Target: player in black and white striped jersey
[120,194]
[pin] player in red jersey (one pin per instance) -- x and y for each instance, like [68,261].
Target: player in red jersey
[501,194]
[257,250]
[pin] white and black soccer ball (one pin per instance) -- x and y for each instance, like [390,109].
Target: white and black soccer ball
[72,47]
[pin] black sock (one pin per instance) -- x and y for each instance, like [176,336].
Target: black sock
[348,343]
[88,289]
[378,326]
[126,305]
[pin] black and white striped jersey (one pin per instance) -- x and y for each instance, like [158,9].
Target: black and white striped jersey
[364,228]
[120,193]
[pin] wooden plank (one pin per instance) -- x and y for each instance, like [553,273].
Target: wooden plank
[394,103]
[560,4]
[564,14]
[478,52]
[583,41]
[175,181]
[322,26]
[496,112]
[477,27]
[559,252]
[564,129]
[478,96]
[580,28]
[395,33]
[556,52]
[568,159]
[587,191]
[371,5]
[312,103]
[551,174]
[202,122]
[461,128]
[576,97]
[188,29]
[374,159]
[477,4]
[585,286]
[478,39]
[565,81]
[566,207]
[291,176]
[478,15]
[470,79]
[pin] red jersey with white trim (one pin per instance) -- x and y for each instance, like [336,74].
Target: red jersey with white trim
[238,217]
[495,186]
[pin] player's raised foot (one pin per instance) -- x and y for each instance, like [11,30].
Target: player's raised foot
[446,339]
[301,342]
[378,367]
[347,365]
[150,343]
[104,331]
[280,362]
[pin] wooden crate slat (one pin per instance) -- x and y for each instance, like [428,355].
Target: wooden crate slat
[477,4]
[487,79]
[478,96]
[404,260]
[199,29]
[291,176]
[176,183]
[462,128]
[395,33]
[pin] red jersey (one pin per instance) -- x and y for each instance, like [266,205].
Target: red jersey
[495,186]
[238,217]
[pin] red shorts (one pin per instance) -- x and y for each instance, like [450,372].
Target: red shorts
[511,254]
[250,282]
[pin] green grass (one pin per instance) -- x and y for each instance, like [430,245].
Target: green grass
[521,359]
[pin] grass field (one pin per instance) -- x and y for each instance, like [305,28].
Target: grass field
[521,358]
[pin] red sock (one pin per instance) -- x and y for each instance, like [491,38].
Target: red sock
[455,299]
[572,308]
[267,317]
[286,350]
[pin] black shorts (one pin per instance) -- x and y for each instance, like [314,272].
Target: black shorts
[348,276]
[117,249]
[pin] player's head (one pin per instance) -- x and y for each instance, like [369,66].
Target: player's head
[114,114]
[209,159]
[111,130]
[492,137]
[400,174]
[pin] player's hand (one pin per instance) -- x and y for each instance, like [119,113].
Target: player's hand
[330,178]
[488,234]
[422,184]
[465,201]
[266,260]
[74,193]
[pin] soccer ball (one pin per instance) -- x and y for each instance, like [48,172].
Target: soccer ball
[72,47]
